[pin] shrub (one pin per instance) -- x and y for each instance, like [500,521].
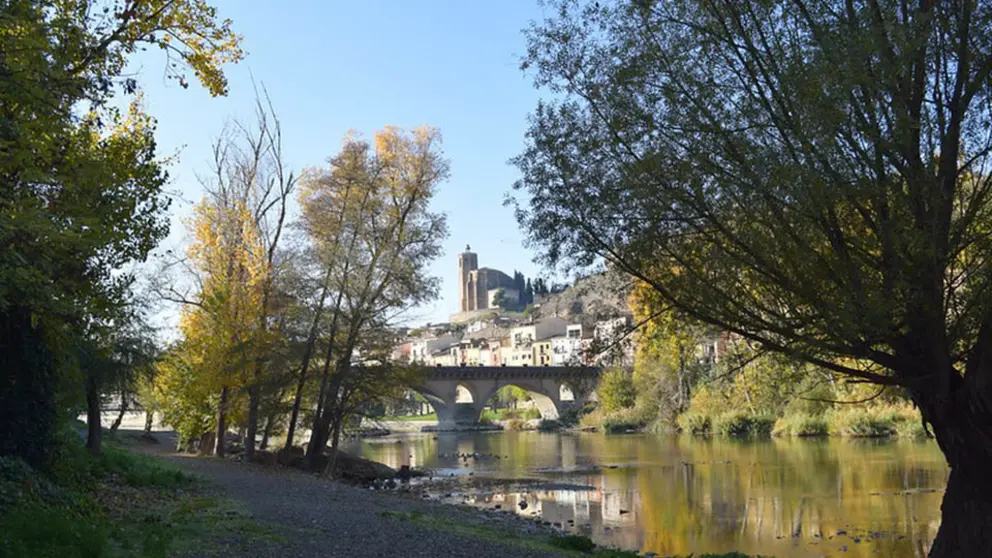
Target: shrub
[623,420]
[549,425]
[801,424]
[515,424]
[742,425]
[734,424]
[863,422]
[616,390]
[912,428]
[573,542]
[762,425]
[38,531]
[696,424]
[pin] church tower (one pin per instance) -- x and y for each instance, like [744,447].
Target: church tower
[467,261]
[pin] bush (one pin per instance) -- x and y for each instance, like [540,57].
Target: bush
[624,420]
[734,424]
[549,425]
[39,531]
[863,422]
[742,425]
[616,390]
[573,542]
[516,424]
[696,424]
[912,427]
[802,425]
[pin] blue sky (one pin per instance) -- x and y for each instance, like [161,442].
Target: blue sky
[331,66]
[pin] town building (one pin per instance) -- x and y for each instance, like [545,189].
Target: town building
[570,349]
[478,287]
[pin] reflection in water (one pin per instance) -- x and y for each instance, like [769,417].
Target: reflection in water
[682,495]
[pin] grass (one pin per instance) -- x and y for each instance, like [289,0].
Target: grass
[490,415]
[696,424]
[566,545]
[876,421]
[121,504]
[409,418]
[742,425]
[801,425]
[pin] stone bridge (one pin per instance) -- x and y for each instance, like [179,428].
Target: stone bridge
[552,388]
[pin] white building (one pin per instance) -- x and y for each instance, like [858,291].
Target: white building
[566,350]
[421,350]
[545,329]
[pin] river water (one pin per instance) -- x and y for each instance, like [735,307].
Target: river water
[678,495]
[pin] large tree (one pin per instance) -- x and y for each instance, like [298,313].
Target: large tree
[80,186]
[371,224]
[812,175]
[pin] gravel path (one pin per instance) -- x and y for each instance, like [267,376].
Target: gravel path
[324,518]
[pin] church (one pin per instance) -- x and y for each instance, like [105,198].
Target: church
[478,287]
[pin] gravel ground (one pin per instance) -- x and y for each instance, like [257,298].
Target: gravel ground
[323,518]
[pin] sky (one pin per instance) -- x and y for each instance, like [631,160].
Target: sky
[331,66]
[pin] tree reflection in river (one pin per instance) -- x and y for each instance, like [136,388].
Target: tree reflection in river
[672,495]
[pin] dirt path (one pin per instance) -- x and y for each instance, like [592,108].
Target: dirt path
[321,518]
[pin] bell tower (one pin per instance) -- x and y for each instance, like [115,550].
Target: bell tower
[467,261]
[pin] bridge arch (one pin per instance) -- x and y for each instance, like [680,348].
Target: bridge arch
[546,400]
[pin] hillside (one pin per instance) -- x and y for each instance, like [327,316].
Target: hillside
[596,297]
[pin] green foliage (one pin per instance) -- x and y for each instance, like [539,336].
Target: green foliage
[549,425]
[52,532]
[141,470]
[801,425]
[738,424]
[616,390]
[577,543]
[864,422]
[696,424]
[622,420]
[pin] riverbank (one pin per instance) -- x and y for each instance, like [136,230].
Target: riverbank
[315,516]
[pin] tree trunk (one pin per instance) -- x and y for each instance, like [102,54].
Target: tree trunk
[120,415]
[966,514]
[94,434]
[219,448]
[254,394]
[305,364]
[332,463]
[149,420]
[962,425]
[267,432]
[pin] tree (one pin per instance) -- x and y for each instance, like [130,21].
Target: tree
[234,264]
[499,299]
[529,293]
[80,188]
[520,284]
[667,364]
[812,176]
[370,221]
[616,390]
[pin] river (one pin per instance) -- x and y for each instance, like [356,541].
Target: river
[678,495]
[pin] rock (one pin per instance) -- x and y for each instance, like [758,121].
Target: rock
[292,457]
[357,469]
[266,458]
